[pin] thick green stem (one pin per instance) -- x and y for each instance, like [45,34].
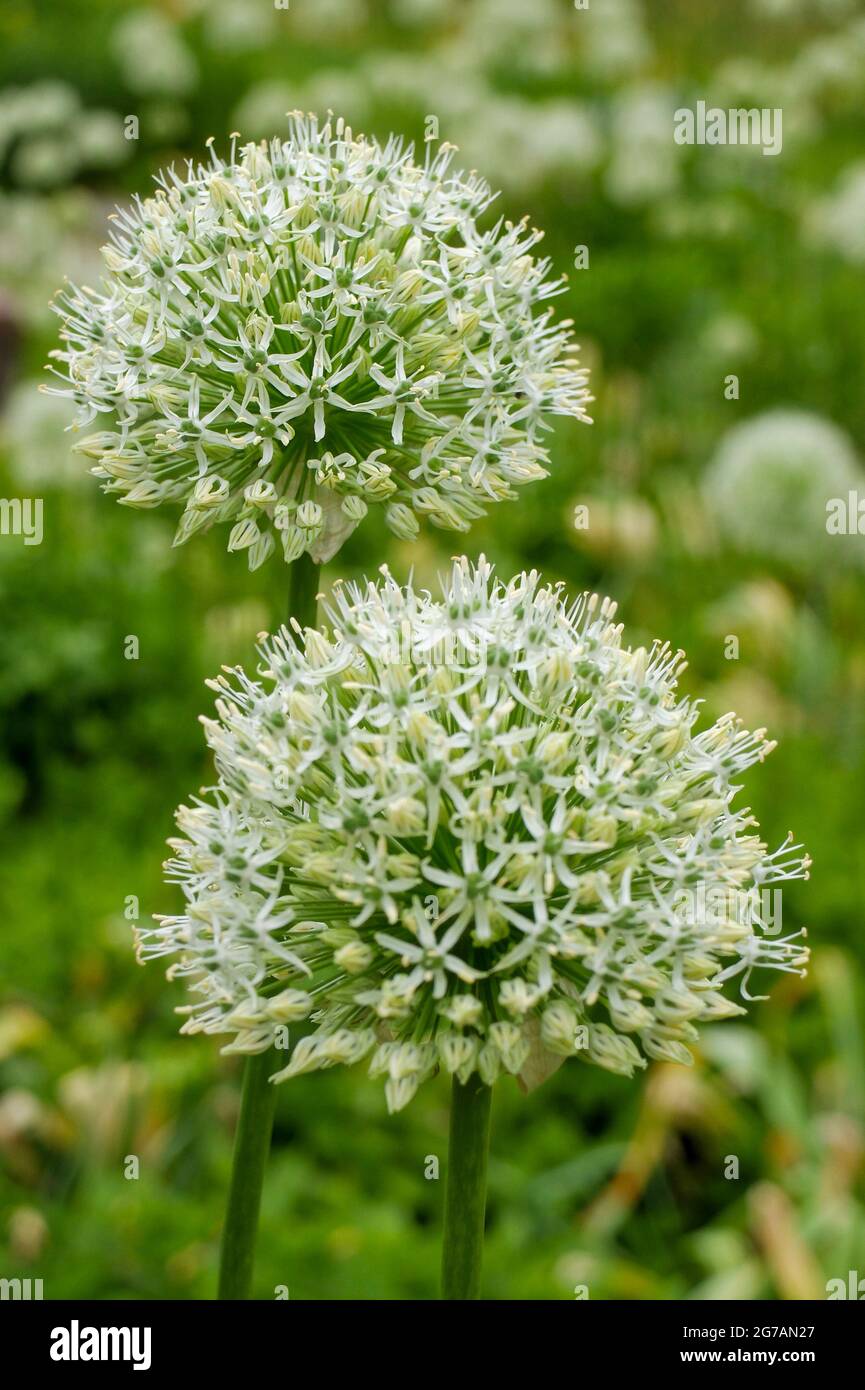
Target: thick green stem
[304,582]
[258,1097]
[466,1192]
[251,1146]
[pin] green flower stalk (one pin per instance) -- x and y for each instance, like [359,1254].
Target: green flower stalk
[466,1190]
[258,1098]
[473,833]
[315,326]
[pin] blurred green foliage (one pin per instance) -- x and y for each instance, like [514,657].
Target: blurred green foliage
[703,263]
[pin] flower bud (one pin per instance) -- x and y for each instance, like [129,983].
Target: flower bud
[402,521]
[559,1028]
[354,957]
[512,1045]
[290,1005]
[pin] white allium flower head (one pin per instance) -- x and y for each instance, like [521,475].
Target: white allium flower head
[468,832]
[616,39]
[837,220]
[152,55]
[771,484]
[32,434]
[317,325]
[645,164]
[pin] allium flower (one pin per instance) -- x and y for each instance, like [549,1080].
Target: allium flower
[771,483]
[525,143]
[838,219]
[473,832]
[38,232]
[616,39]
[313,326]
[47,137]
[32,434]
[645,162]
[152,56]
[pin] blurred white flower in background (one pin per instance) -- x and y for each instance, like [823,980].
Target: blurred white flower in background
[619,529]
[837,221]
[330,18]
[152,55]
[423,12]
[616,41]
[48,137]
[762,611]
[34,439]
[337,89]
[747,83]
[519,143]
[42,237]
[681,217]
[797,9]
[238,25]
[265,108]
[729,337]
[645,161]
[533,38]
[525,144]
[829,65]
[780,9]
[100,140]
[47,105]
[44,161]
[421,82]
[769,484]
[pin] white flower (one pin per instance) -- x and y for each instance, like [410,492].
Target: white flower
[616,40]
[645,161]
[152,54]
[32,431]
[469,860]
[322,297]
[47,137]
[838,220]
[526,143]
[770,484]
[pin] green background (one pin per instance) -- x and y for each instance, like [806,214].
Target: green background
[703,262]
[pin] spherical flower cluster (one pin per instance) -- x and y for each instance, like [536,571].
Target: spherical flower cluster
[48,138]
[32,435]
[837,220]
[316,325]
[773,482]
[473,833]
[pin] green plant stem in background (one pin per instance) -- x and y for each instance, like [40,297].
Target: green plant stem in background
[258,1097]
[466,1193]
